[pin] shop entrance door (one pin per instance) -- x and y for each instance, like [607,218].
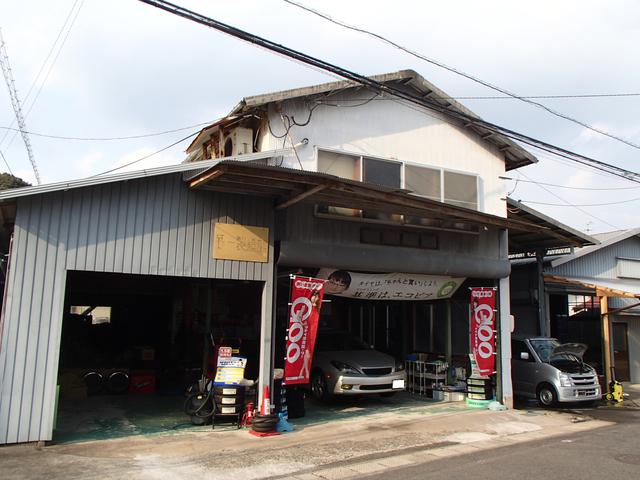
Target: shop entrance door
[621,351]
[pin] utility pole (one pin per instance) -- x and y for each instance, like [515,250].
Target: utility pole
[15,103]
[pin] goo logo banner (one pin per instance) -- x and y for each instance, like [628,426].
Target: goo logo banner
[306,300]
[482,329]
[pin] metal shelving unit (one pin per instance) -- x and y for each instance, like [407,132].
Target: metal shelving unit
[423,376]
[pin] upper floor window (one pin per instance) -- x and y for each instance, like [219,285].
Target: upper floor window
[628,268]
[461,190]
[454,188]
[382,172]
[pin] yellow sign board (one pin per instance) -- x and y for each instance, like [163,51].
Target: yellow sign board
[240,242]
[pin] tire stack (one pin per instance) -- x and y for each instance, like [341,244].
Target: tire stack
[264,423]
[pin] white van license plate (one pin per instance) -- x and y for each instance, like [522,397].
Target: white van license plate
[397,384]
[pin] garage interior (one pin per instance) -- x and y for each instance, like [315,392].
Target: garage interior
[131,345]
[434,331]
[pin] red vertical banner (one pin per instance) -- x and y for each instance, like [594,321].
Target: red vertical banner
[482,329]
[306,301]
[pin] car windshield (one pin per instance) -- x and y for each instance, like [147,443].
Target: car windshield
[544,347]
[338,341]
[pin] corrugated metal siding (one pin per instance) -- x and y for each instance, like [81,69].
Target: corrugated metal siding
[151,226]
[600,264]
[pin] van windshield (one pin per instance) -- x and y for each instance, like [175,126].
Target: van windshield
[544,347]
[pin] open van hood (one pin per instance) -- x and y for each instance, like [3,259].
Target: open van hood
[576,349]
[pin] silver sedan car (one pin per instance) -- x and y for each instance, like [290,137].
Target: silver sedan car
[343,365]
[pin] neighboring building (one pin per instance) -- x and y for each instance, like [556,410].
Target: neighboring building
[591,296]
[367,184]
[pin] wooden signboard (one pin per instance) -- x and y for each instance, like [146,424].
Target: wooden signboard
[240,242]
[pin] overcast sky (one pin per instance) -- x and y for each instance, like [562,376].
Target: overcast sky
[129,69]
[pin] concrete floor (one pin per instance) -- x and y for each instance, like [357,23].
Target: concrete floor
[388,431]
[112,416]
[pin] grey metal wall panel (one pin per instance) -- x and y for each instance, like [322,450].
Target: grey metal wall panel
[304,227]
[601,263]
[146,226]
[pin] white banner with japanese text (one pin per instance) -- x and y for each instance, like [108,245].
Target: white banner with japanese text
[388,286]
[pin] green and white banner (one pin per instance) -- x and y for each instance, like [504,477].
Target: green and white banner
[388,286]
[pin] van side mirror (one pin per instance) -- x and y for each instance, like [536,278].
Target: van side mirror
[524,355]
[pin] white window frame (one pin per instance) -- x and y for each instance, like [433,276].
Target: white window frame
[360,158]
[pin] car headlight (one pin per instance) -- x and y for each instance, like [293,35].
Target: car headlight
[565,380]
[345,367]
[399,366]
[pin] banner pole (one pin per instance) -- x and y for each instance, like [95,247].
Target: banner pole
[284,410]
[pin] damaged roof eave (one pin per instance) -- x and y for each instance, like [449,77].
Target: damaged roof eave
[290,186]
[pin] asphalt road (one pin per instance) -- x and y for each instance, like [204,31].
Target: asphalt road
[609,453]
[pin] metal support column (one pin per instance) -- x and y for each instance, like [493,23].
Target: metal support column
[448,341]
[503,327]
[606,338]
[544,326]
[267,325]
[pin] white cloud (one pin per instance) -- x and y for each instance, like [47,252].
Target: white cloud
[580,179]
[587,135]
[85,166]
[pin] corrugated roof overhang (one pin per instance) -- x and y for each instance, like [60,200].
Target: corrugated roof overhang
[551,235]
[289,187]
[601,288]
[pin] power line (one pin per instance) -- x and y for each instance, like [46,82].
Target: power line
[582,205]
[506,97]
[107,139]
[463,74]
[50,69]
[146,156]
[569,204]
[566,186]
[15,103]
[544,154]
[528,97]
[44,63]
[467,120]
[5,162]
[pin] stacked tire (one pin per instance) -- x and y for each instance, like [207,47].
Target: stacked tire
[264,423]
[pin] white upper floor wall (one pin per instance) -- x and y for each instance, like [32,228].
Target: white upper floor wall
[386,129]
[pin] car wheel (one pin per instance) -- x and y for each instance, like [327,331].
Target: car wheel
[319,388]
[547,396]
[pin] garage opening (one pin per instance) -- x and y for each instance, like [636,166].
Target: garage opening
[372,340]
[132,345]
